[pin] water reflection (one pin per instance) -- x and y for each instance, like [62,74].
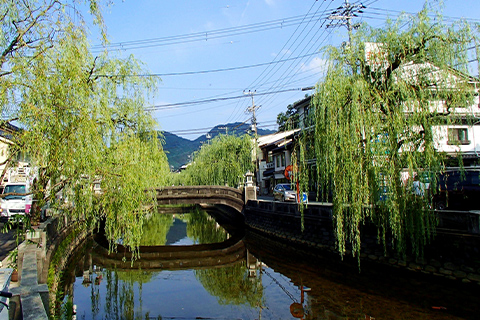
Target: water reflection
[195,227]
[266,280]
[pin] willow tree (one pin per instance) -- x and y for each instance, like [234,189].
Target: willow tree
[82,119]
[375,117]
[222,161]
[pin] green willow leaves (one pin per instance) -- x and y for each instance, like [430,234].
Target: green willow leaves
[375,116]
[222,161]
[82,119]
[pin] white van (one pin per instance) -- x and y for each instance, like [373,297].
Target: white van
[15,204]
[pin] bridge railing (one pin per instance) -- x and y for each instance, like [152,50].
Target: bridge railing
[201,194]
[202,190]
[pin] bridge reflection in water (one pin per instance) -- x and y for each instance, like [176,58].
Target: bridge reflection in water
[157,258]
[249,276]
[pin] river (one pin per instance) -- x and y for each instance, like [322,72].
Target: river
[248,276]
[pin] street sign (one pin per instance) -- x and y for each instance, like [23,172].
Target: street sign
[304,197]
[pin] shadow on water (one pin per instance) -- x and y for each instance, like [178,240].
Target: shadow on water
[247,275]
[339,291]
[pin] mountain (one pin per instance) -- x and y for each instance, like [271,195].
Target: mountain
[179,150]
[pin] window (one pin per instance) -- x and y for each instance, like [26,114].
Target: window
[280,160]
[14,188]
[475,178]
[458,136]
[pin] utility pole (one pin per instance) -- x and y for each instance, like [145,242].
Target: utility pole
[254,125]
[344,14]
[252,110]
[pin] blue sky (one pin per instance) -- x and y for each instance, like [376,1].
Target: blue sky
[258,41]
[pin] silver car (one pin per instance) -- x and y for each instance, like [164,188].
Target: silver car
[284,192]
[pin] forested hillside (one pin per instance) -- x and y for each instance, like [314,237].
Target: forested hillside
[179,149]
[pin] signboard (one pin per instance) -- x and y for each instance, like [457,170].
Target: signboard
[304,197]
[19,179]
[288,172]
[376,55]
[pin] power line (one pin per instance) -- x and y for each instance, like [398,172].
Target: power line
[210,129]
[205,71]
[269,72]
[204,36]
[348,11]
[344,15]
[281,51]
[196,102]
[398,13]
[294,68]
[293,50]
[190,111]
[287,74]
[274,64]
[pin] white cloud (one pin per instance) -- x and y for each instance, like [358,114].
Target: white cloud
[271,3]
[243,13]
[209,25]
[314,66]
[283,55]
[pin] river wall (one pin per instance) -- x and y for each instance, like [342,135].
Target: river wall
[41,260]
[453,253]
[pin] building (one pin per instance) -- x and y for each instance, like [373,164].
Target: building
[274,157]
[7,132]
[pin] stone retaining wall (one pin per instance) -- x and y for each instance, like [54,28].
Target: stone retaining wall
[34,260]
[453,253]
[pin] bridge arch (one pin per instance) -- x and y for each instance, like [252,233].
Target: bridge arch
[214,255]
[213,195]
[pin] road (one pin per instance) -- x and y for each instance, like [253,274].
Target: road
[270,198]
[7,241]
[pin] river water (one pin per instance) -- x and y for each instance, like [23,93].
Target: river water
[259,279]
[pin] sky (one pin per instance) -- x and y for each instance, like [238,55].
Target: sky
[217,58]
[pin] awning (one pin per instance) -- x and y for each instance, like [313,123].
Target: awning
[268,172]
[279,175]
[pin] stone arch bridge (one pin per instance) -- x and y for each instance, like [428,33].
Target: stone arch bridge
[212,195]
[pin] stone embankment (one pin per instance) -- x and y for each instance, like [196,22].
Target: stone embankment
[51,240]
[453,254]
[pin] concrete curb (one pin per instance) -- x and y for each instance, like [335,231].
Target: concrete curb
[29,289]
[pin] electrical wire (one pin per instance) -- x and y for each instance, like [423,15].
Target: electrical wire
[276,87]
[269,72]
[202,101]
[203,36]
[202,71]
[211,129]
[287,77]
[287,73]
[398,13]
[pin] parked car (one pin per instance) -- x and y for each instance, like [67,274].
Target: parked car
[457,190]
[15,204]
[284,192]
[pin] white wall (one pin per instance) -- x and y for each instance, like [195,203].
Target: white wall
[473,135]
